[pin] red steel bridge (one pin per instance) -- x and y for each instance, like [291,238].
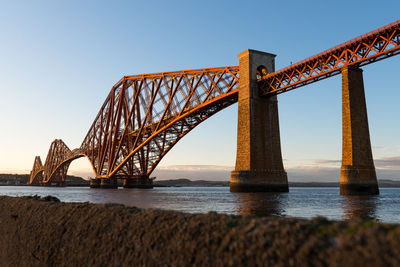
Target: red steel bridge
[145,115]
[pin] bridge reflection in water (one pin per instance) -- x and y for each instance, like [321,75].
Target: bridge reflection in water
[359,207]
[301,202]
[352,208]
[261,204]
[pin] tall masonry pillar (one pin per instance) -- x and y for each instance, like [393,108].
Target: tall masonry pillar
[259,166]
[357,175]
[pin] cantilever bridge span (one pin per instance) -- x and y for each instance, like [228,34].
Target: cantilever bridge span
[144,116]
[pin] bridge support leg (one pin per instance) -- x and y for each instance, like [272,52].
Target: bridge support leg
[109,183]
[259,166]
[143,182]
[358,176]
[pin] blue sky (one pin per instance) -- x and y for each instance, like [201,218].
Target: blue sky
[59,59]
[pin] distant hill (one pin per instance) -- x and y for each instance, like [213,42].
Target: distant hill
[388,183]
[72,180]
[187,182]
[14,179]
[23,179]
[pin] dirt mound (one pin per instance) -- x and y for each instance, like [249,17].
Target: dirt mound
[38,231]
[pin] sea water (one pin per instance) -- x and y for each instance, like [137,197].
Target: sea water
[299,202]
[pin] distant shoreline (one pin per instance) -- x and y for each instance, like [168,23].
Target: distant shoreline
[205,183]
[74,181]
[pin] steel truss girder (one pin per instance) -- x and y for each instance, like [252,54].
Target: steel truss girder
[56,165]
[54,170]
[145,115]
[36,176]
[376,45]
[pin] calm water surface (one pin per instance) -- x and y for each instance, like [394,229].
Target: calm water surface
[299,202]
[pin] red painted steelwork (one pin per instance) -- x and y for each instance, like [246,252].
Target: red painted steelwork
[376,45]
[145,115]
[37,171]
[142,118]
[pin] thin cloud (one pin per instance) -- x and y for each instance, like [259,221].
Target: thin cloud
[316,171]
[195,168]
[384,163]
[327,161]
[388,163]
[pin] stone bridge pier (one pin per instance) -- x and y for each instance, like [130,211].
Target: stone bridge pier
[357,175]
[259,166]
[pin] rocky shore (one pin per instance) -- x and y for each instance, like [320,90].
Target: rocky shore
[38,231]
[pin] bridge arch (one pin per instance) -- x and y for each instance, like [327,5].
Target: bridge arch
[144,116]
[59,174]
[56,165]
[36,175]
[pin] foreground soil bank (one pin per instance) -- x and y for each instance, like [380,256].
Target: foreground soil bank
[44,232]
